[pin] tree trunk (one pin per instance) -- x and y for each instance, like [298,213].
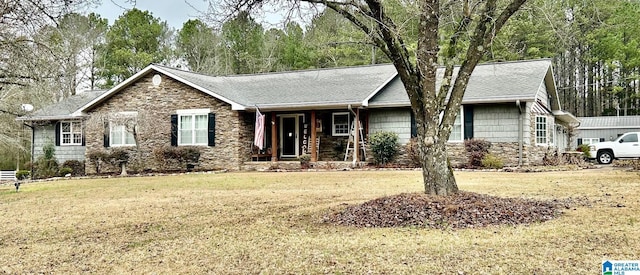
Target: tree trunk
[436,172]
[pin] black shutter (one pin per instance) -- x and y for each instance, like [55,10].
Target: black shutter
[106,134]
[579,141]
[327,124]
[414,127]
[174,130]
[468,122]
[601,139]
[58,133]
[212,129]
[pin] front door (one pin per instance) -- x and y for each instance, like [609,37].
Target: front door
[289,134]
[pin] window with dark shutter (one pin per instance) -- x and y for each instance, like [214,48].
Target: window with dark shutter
[212,129]
[57,133]
[468,122]
[105,138]
[174,130]
[579,141]
[414,127]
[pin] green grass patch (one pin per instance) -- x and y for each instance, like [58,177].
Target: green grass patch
[271,223]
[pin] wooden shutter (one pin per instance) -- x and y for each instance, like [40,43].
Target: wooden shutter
[212,129]
[579,141]
[468,121]
[174,130]
[58,134]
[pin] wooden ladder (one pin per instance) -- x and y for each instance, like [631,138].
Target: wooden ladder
[350,142]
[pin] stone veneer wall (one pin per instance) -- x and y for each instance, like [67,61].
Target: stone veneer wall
[155,105]
[507,151]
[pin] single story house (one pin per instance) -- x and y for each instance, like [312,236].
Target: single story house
[55,124]
[605,128]
[514,105]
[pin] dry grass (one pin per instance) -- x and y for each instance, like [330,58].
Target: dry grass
[269,223]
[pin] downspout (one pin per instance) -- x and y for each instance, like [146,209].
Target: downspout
[33,138]
[520,132]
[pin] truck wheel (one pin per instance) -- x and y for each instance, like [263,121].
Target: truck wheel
[605,157]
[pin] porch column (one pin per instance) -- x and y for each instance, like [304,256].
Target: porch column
[356,137]
[314,151]
[274,137]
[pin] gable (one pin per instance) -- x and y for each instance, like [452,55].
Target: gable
[149,72]
[489,83]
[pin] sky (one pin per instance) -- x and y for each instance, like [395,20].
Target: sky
[174,12]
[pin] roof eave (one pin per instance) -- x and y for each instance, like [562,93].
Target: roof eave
[47,118]
[365,102]
[305,107]
[81,111]
[566,117]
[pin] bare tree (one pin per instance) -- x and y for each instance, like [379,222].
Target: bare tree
[20,60]
[465,30]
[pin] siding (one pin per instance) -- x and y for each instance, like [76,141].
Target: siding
[395,120]
[496,122]
[607,134]
[543,96]
[45,134]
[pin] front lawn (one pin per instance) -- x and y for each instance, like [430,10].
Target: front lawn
[272,223]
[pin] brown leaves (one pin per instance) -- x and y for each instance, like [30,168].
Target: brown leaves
[462,210]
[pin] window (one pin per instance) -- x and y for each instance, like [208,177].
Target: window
[340,126]
[121,129]
[192,129]
[457,130]
[541,130]
[590,140]
[629,138]
[71,133]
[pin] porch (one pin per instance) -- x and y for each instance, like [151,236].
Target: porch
[321,136]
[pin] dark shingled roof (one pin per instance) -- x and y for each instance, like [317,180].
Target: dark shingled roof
[310,88]
[64,108]
[373,86]
[489,83]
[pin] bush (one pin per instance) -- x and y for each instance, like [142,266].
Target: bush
[117,157]
[46,166]
[22,174]
[304,161]
[477,149]
[413,153]
[384,146]
[176,158]
[64,171]
[492,162]
[77,167]
[585,149]
[97,158]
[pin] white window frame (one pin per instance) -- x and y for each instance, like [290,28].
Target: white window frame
[587,141]
[193,113]
[542,137]
[116,122]
[459,121]
[72,132]
[334,128]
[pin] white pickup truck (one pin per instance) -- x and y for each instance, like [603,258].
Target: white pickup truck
[625,146]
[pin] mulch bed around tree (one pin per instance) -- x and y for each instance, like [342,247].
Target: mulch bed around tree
[461,210]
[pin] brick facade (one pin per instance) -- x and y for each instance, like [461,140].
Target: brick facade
[154,107]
